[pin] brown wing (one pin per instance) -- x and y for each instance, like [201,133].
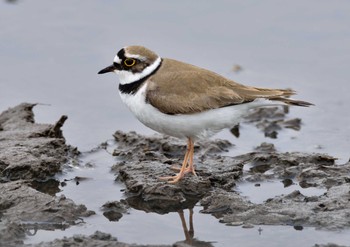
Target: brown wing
[180,88]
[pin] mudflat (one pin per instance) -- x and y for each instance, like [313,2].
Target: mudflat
[32,154]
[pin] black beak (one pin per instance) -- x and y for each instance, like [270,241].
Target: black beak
[110,68]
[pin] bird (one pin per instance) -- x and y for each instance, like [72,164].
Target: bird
[185,101]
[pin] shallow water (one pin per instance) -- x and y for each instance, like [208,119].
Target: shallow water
[260,192]
[166,229]
[51,52]
[97,186]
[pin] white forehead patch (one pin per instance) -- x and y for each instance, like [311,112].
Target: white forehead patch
[117,59]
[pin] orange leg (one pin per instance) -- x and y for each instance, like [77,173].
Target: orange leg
[185,161]
[189,158]
[187,164]
[190,166]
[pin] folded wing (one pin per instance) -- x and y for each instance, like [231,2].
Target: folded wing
[181,88]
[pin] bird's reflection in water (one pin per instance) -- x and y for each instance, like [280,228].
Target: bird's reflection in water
[189,231]
[164,207]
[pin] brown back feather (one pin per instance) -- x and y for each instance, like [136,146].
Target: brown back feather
[180,88]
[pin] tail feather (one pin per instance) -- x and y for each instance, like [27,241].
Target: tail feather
[292,101]
[281,95]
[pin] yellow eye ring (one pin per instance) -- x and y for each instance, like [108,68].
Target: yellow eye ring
[129,62]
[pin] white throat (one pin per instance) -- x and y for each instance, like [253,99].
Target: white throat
[126,77]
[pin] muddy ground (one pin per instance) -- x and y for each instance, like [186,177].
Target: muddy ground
[31,154]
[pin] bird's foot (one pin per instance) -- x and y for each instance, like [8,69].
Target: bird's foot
[179,176]
[173,179]
[188,169]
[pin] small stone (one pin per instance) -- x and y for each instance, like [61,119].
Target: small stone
[247,225]
[236,223]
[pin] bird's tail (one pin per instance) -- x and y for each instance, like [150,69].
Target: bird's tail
[281,95]
[291,101]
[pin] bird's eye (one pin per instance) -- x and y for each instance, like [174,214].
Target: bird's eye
[129,62]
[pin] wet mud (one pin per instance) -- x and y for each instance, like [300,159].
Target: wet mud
[144,160]
[31,154]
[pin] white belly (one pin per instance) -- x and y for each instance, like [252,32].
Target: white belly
[198,125]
